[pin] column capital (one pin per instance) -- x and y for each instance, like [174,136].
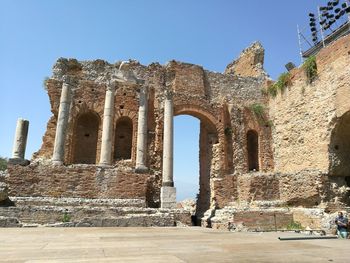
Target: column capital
[112,85]
[143,91]
[67,80]
[168,94]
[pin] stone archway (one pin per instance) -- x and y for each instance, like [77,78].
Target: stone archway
[85,138]
[339,147]
[208,137]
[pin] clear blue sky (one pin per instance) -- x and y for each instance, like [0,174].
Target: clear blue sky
[211,33]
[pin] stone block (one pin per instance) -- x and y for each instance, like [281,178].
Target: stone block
[18,161]
[168,197]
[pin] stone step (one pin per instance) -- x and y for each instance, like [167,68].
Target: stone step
[64,202]
[53,213]
[94,216]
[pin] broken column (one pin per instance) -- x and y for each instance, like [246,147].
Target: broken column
[62,122]
[107,128]
[20,143]
[141,150]
[168,191]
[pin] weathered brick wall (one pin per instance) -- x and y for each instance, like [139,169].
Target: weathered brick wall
[305,114]
[307,188]
[84,181]
[224,190]
[263,220]
[258,187]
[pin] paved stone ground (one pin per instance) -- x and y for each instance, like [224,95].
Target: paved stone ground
[162,245]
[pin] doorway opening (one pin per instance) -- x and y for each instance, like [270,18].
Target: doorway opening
[194,137]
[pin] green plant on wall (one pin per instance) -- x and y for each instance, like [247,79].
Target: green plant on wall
[310,68]
[259,112]
[294,225]
[45,81]
[3,164]
[66,217]
[272,90]
[283,81]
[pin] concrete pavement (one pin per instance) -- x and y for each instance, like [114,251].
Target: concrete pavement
[191,244]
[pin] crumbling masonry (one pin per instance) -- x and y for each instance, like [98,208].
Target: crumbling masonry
[110,137]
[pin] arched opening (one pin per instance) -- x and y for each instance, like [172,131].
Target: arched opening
[339,148]
[186,157]
[123,139]
[253,150]
[194,138]
[85,138]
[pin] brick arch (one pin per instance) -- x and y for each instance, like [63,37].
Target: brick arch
[76,110]
[85,137]
[202,114]
[211,130]
[126,114]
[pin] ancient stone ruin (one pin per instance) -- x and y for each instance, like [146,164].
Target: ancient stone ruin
[265,162]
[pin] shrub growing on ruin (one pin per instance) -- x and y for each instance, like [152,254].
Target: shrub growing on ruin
[272,90]
[259,112]
[45,81]
[66,217]
[3,164]
[294,225]
[310,68]
[283,81]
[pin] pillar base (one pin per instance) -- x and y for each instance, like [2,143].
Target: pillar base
[19,161]
[57,162]
[104,165]
[141,169]
[168,197]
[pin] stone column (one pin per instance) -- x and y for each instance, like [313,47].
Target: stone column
[107,128]
[141,150]
[20,142]
[168,191]
[62,123]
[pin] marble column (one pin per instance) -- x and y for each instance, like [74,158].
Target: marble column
[168,191]
[62,123]
[107,127]
[141,150]
[20,141]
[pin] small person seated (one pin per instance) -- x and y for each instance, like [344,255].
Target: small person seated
[342,225]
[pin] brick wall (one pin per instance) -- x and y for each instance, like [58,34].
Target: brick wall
[263,220]
[84,181]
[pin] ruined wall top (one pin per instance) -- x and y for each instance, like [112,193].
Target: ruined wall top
[250,62]
[183,78]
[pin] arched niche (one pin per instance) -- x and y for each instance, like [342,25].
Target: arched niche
[253,150]
[123,139]
[85,138]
